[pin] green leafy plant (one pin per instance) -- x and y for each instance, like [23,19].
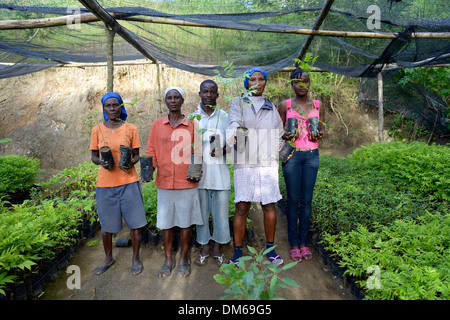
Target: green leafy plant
[33,233]
[374,208]
[4,280]
[92,243]
[150,195]
[257,281]
[413,166]
[5,140]
[17,173]
[411,254]
[62,184]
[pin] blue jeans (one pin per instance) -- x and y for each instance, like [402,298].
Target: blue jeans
[300,173]
[214,202]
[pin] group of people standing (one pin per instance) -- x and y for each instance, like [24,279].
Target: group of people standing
[184,201]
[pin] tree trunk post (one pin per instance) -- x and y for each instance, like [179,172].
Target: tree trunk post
[380,107]
[110,59]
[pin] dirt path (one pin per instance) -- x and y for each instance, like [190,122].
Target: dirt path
[117,283]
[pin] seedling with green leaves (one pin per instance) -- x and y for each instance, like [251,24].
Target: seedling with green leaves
[257,281]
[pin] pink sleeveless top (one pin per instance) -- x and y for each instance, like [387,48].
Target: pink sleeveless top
[303,140]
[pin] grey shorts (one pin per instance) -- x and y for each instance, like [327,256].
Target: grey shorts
[115,203]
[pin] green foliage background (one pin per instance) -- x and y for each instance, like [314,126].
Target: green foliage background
[386,205]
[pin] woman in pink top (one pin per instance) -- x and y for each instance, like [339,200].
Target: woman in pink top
[300,171]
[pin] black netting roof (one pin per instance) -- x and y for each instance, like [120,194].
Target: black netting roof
[247,33]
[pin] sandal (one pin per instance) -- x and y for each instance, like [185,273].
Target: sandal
[305,253]
[201,260]
[166,270]
[276,260]
[295,255]
[233,262]
[219,260]
[136,270]
[184,269]
[103,268]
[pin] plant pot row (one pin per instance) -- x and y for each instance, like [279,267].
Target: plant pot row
[337,271]
[47,271]
[32,285]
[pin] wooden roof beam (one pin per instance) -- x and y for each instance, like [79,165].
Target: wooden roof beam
[112,23]
[323,13]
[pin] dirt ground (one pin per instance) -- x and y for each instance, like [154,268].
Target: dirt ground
[316,281]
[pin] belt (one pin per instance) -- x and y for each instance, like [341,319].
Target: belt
[304,150]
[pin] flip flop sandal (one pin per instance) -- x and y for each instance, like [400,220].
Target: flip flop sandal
[233,262]
[201,260]
[102,269]
[276,260]
[137,270]
[219,260]
[295,255]
[184,269]
[166,270]
[305,253]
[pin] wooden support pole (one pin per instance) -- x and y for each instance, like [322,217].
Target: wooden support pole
[323,13]
[47,22]
[267,28]
[96,9]
[380,107]
[89,17]
[158,81]
[110,59]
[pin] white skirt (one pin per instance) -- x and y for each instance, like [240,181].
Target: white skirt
[178,208]
[257,184]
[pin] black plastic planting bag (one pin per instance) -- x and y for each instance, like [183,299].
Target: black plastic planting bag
[241,139]
[120,242]
[292,126]
[125,157]
[195,167]
[313,124]
[106,155]
[215,145]
[146,168]
[286,151]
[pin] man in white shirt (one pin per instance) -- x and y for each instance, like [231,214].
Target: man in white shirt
[214,186]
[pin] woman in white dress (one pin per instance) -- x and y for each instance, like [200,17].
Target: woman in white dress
[256,169]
